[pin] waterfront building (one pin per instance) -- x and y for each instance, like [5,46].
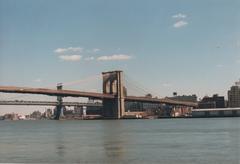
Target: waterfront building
[78,110]
[48,113]
[11,116]
[21,117]
[234,95]
[141,107]
[27,117]
[93,110]
[36,115]
[189,98]
[67,111]
[212,102]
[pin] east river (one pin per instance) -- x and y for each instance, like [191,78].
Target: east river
[164,141]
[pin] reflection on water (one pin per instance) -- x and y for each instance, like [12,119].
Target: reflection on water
[182,141]
[60,145]
[113,142]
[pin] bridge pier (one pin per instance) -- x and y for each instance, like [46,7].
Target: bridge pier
[113,84]
[59,107]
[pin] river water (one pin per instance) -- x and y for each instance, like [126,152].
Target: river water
[165,141]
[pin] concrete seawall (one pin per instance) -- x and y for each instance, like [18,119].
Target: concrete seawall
[217,112]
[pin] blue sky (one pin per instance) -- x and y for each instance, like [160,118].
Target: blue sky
[192,47]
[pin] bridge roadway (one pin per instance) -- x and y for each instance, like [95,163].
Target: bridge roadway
[161,101]
[72,93]
[48,103]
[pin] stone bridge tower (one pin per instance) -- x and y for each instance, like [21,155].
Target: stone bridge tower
[59,108]
[113,84]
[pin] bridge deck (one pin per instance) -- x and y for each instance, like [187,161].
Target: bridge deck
[215,109]
[54,92]
[72,93]
[163,101]
[48,103]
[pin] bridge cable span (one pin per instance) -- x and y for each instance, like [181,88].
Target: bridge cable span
[135,85]
[82,81]
[53,86]
[75,82]
[134,90]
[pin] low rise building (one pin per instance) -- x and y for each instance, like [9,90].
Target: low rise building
[212,102]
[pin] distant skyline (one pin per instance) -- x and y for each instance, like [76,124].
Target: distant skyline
[188,47]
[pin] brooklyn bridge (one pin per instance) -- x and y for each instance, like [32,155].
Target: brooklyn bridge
[113,97]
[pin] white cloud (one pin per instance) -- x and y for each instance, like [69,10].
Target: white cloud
[96,50]
[70,57]
[114,57]
[238,61]
[166,85]
[180,24]
[89,58]
[179,16]
[69,49]
[38,80]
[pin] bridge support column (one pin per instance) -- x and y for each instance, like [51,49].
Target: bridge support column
[113,84]
[59,107]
